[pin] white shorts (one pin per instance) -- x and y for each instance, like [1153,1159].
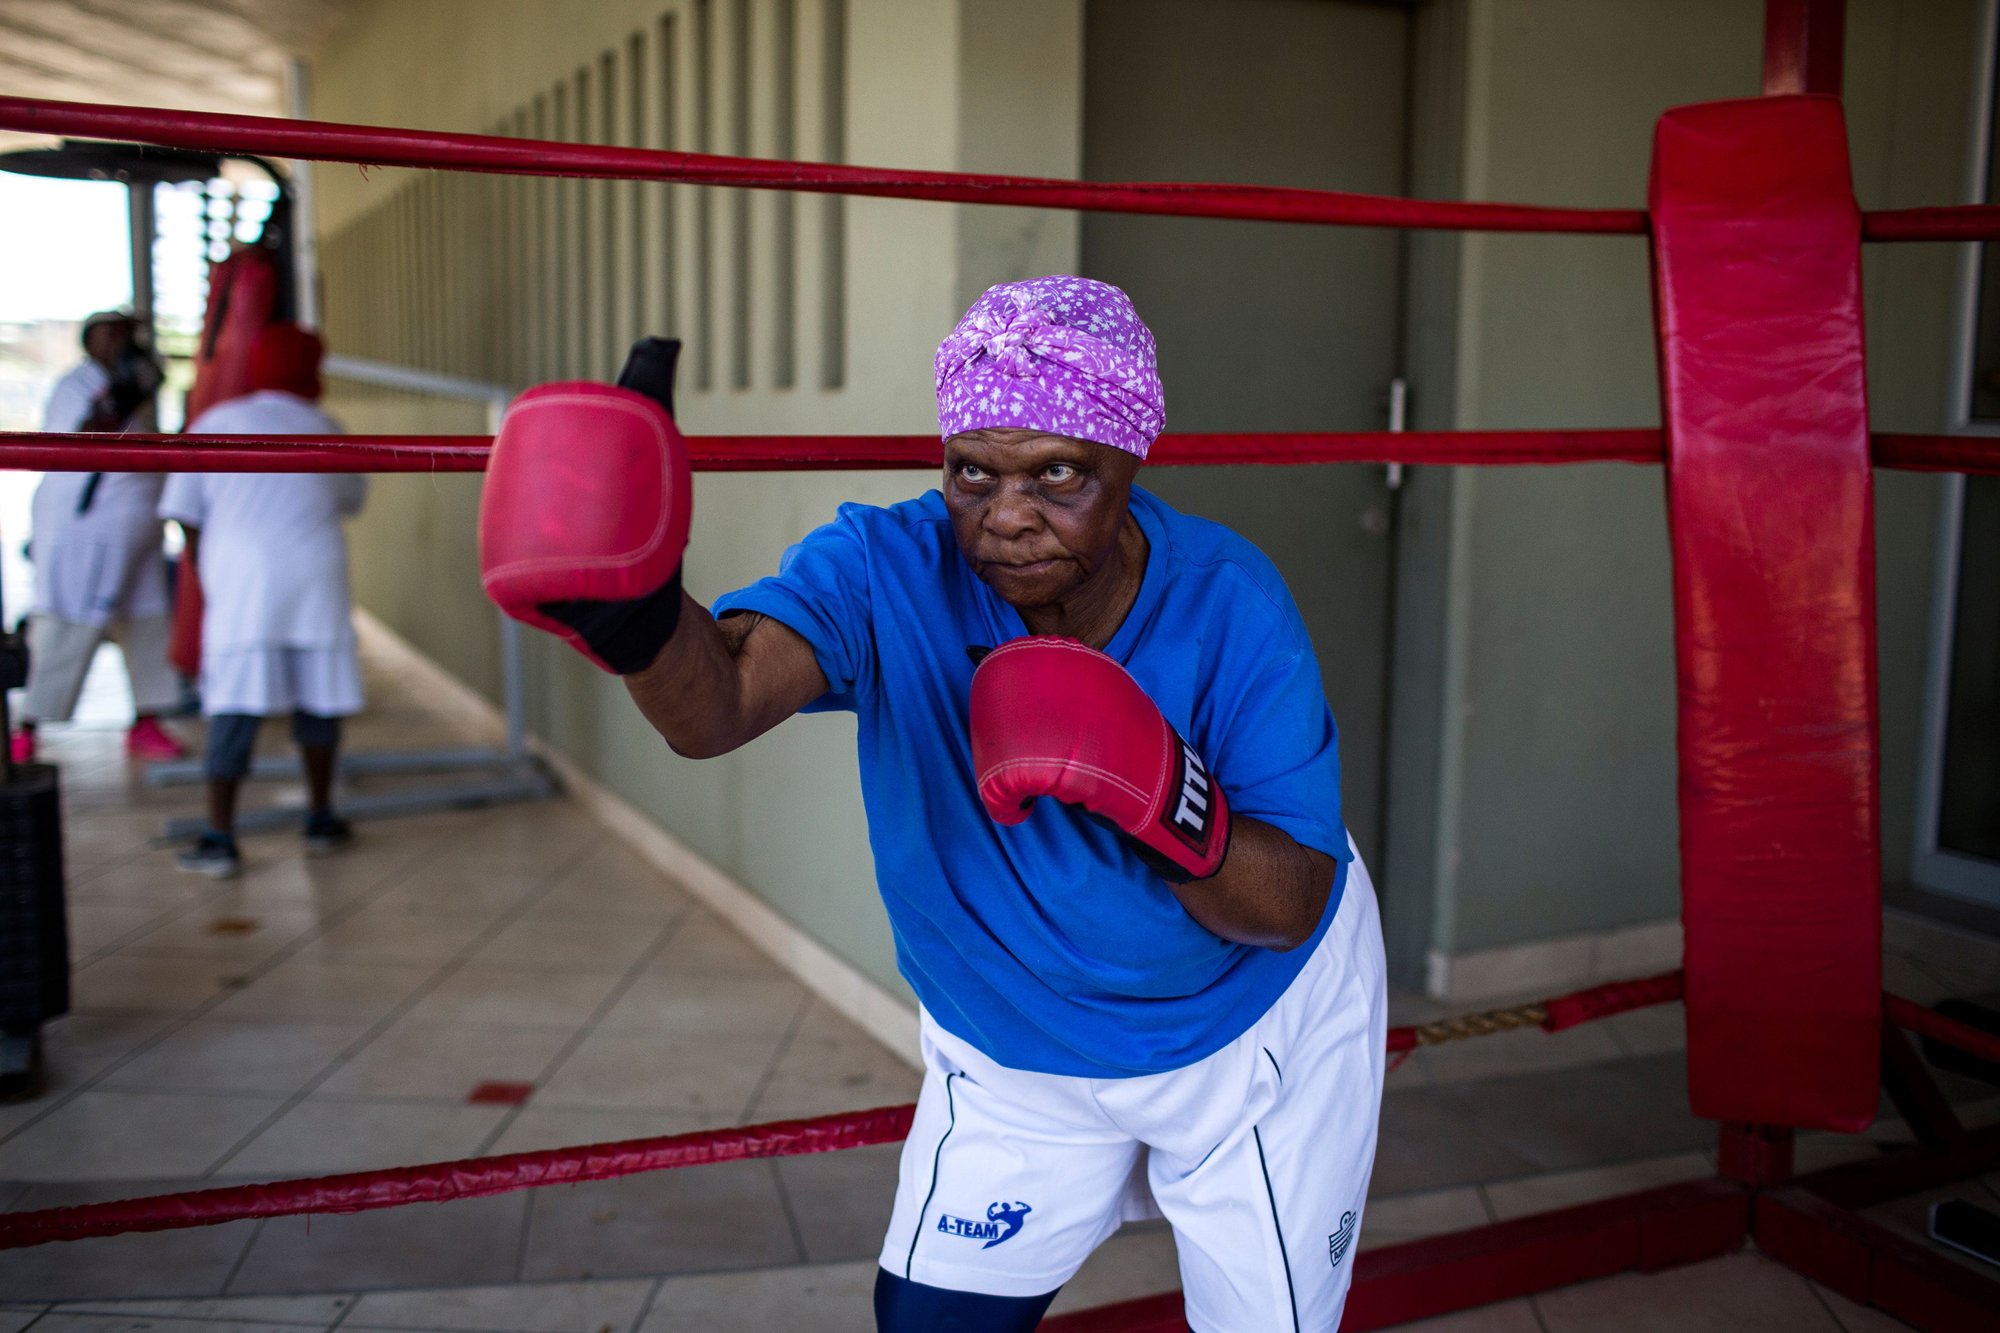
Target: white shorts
[1258,1156]
[271,682]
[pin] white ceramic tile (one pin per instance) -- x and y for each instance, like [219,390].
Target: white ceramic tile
[391,935]
[701,944]
[328,1135]
[1913,980]
[95,924]
[1560,1189]
[693,1077]
[1743,1291]
[150,881]
[537,1128]
[1408,1071]
[306,1311]
[512,997]
[131,1135]
[588,943]
[225,1056]
[828,1298]
[618,880]
[309,988]
[1936,941]
[488,898]
[1657,1030]
[1430,1213]
[715,1006]
[77,1047]
[830,1065]
[445,1060]
[1508,1317]
[1854,1318]
[228,932]
[121,983]
[527,1307]
[59,1321]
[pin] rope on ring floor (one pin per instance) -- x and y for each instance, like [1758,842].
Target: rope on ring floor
[1552,1015]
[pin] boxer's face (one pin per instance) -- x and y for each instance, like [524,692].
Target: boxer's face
[1037,516]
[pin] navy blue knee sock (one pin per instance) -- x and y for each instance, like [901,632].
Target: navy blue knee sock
[903,1306]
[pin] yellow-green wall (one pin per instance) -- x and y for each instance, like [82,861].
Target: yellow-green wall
[1550,714]
[784,814]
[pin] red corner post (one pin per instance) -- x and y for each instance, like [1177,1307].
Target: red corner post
[1757,282]
[1803,46]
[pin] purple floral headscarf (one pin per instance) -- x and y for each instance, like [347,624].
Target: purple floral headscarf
[1062,355]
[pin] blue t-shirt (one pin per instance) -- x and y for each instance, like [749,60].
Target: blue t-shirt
[1049,945]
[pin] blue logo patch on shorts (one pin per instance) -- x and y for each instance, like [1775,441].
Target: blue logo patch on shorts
[1337,1243]
[1002,1221]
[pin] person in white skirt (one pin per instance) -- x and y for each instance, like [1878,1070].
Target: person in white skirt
[277,632]
[99,569]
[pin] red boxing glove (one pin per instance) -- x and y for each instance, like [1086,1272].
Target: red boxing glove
[1051,717]
[584,518]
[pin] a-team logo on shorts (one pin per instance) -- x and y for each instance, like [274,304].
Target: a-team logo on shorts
[1002,1221]
[1337,1243]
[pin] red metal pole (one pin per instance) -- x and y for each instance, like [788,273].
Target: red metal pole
[1803,40]
[1758,1155]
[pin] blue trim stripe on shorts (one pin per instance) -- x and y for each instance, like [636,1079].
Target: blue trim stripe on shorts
[951,1123]
[1276,1225]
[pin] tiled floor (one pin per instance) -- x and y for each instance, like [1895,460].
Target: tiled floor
[335,1014]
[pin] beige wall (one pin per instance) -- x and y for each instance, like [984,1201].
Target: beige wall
[1553,721]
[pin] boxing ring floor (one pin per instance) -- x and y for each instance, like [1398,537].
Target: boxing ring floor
[329,1015]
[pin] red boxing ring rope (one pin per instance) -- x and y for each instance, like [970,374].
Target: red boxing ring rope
[52,452]
[374,145]
[1913,1017]
[437,1182]
[1975,454]
[1956,222]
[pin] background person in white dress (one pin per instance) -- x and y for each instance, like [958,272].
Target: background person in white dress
[277,633]
[95,544]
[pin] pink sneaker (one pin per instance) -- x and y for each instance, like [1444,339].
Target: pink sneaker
[22,745]
[149,740]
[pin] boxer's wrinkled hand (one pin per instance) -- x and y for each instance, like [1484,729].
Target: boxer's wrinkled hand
[1052,717]
[584,519]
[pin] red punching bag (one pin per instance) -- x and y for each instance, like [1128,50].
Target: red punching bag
[242,299]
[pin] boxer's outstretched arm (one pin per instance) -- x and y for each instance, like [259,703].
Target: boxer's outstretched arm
[720,684]
[1270,891]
